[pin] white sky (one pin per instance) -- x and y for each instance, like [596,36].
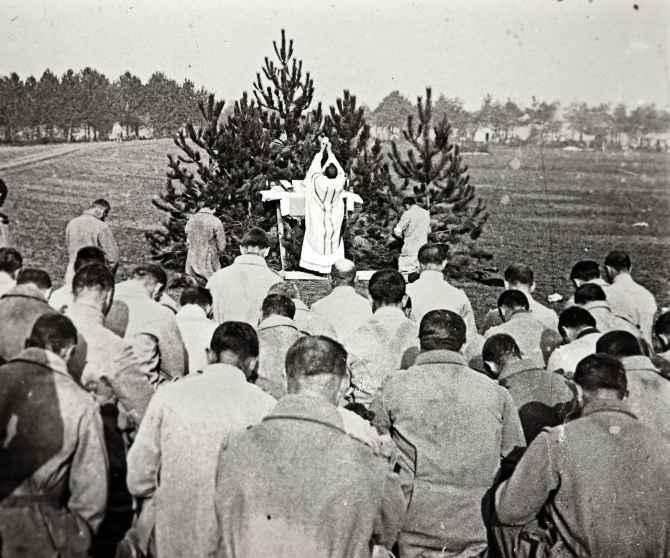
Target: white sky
[599,50]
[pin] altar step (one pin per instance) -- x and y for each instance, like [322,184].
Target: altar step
[363,275]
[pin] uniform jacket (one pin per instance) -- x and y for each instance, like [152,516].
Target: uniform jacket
[298,485]
[196,330]
[238,290]
[567,357]
[542,398]
[606,320]
[19,309]
[311,323]
[276,334]
[377,348]
[539,311]
[153,333]
[632,301]
[88,230]
[613,501]
[432,292]
[179,441]
[205,239]
[53,447]
[460,425]
[414,228]
[344,308]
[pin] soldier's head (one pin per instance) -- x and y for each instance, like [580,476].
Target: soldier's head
[94,285]
[584,271]
[10,261]
[601,376]
[255,241]
[236,344]
[278,305]
[343,273]
[498,352]
[317,365]
[589,292]
[520,277]
[441,330]
[88,255]
[198,296]
[511,302]
[387,288]
[36,278]
[573,321]
[617,262]
[408,201]
[619,344]
[55,333]
[432,257]
[101,208]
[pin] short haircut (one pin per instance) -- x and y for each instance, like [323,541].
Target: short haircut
[619,260]
[408,200]
[237,337]
[387,286]
[601,371]
[498,346]
[54,332]
[103,203]
[88,255]
[255,237]
[10,260]
[432,254]
[314,355]
[619,344]
[513,299]
[285,288]
[330,171]
[196,295]
[93,276]
[442,329]
[154,271]
[585,270]
[519,274]
[662,325]
[343,271]
[37,277]
[575,317]
[278,305]
[589,292]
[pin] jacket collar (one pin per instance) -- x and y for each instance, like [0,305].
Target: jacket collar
[86,311]
[221,370]
[585,332]
[595,304]
[517,367]
[25,291]
[440,356]
[344,290]
[638,362]
[91,213]
[520,315]
[623,278]
[431,276]
[43,358]
[276,321]
[307,408]
[251,259]
[607,405]
[389,313]
[192,311]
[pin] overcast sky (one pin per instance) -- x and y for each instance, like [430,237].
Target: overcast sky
[603,50]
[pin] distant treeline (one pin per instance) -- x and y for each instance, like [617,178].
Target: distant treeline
[86,105]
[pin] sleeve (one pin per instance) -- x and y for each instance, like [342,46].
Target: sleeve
[220,235]
[554,363]
[108,244]
[392,510]
[132,388]
[400,228]
[522,497]
[144,457]
[173,354]
[89,471]
[512,431]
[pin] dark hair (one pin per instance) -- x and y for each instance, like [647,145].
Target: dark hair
[618,260]
[255,237]
[619,344]
[53,332]
[196,295]
[101,202]
[10,260]
[387,286]
[432,254]
[585,270]
[156,272]
[442,329]
[575,317]
[513,299]
[498,346]
[237,337]
[662,325]
[316,354]
[88,255]
[601,371]
[519,273]
[37,277]
[408,200]
[589,292]
[285,288]
[278,305]
[93,276]
[330,171]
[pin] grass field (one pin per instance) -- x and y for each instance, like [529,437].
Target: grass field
[585,205]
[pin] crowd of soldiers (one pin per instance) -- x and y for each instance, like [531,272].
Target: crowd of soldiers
[239,422]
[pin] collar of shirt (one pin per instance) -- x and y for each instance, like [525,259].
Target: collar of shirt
[343,290]
[206,210]
[440,356]
[623,279]
[431,276]
[595,304]
[516,367]
[307,408]
[26,291]
[587,331]
[638,362]
[520,315]
[251,259]
[91,213]
[389,314]
[85,311]
[607,405]
[44,358]
[276,321]
[222,371]
[192,312]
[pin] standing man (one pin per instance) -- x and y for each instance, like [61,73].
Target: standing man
[53,465]
[90,229]
[603,479]
[173,459]
[238,290]
[206,240]
[297,484]
[413,229]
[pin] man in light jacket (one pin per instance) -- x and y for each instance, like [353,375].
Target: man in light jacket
[205,241]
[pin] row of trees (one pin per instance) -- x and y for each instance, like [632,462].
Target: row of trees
[51,107]
[606,122]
